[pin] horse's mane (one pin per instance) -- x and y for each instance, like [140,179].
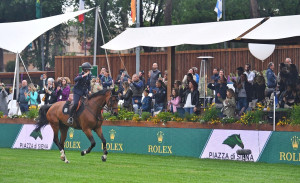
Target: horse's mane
[101,92]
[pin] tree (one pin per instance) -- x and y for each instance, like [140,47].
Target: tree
[254,9]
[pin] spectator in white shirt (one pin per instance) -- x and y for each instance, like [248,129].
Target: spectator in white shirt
[250,74]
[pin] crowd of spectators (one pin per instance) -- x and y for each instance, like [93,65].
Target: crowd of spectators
[140,95]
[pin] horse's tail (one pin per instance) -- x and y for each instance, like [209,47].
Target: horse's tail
[42,119]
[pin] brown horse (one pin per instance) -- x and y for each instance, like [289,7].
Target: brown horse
[90,119]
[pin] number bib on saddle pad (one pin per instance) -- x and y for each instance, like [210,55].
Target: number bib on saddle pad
[68,105]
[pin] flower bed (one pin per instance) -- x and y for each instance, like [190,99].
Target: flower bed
[209,119]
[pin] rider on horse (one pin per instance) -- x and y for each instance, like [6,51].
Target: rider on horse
[82,88]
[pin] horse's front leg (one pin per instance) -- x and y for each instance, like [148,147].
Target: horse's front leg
[100,134]
[89,135]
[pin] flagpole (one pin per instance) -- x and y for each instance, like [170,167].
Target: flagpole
[138,49]
[95,35]
[224,19]
[42,41]
[84,41]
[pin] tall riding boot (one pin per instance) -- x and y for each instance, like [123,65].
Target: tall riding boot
[71,118]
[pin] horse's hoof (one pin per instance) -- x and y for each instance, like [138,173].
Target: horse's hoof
[83,153]
[103,157]
[63,158]
[67,161]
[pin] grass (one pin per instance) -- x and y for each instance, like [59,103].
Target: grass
[45,166]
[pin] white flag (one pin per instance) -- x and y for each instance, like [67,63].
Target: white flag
[218,9]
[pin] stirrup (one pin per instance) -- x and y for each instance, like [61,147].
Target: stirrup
[70,120]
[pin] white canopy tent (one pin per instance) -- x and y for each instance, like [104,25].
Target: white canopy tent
[16,36]
[173,35]
[276,28]
[260,30]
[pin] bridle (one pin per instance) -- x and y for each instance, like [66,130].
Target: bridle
[111,100]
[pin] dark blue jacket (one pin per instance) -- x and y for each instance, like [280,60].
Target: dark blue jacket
[82,84]
[219,88]
[106,81]
[146,104]
[271,79]
[160,95]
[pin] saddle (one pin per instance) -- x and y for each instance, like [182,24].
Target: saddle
[69,104]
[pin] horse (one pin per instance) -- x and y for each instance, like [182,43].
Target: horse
[90,119]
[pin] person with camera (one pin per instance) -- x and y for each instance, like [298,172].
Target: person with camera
[82,88]
[50,92]
[3,102]
[32,96]
[160,95]
[137,87]
[63,90]
[23,103]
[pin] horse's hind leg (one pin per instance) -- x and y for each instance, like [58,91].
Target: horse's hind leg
[55,128]
[89,135]
[63,135]
[100,134]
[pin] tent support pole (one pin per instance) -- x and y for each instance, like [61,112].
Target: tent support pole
[95,36]
[171,69]
[17,76]
[138,49]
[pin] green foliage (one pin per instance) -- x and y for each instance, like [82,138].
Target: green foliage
[295,114]
[228,120]
[106,115]
[211,113]
[32,113]
[10,66]
[165,116]
[145,116]
[1,114]
[125,115]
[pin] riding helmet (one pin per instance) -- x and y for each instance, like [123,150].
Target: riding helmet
[86,65]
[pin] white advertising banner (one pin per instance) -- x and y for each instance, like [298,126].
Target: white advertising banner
[29,139]
[224,144]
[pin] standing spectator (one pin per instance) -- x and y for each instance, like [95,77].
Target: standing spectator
[43,83]
[32,96]
[191,98]
[124,77]
[63,91]
[196,74]
[244,94]
[126,95]
[185,80]
[117,81]
[288,61]
[259,88]
[174,101]
[181,90]
[154,75]
[271,79]
[22,99]
[142,78]
[229,105]
[220,87]
[106,80]
[3,102]
[50,96]
[148,80]
[250,74]
[146,102]
[159,94]
[215,77]
[165,79]
[103,69]
[136,85]
[96,85]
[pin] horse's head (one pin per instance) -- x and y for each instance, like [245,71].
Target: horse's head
[112,102]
